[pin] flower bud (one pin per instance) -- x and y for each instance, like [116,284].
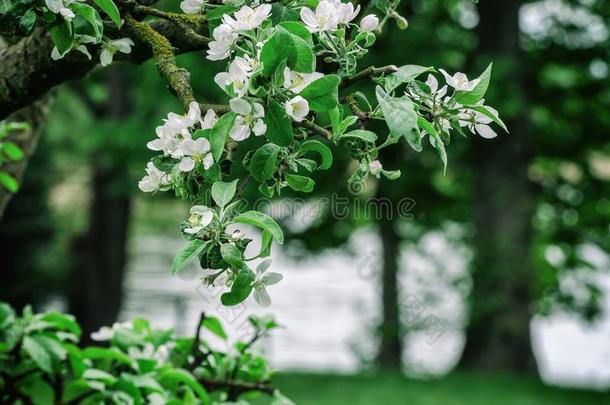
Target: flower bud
[236,236]
[375,167]
[401,22]
[369,23]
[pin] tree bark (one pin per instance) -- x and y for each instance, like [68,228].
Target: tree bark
[498,335]
[96,293]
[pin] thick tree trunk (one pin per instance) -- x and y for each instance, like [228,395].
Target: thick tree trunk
[97,280]
[498,336]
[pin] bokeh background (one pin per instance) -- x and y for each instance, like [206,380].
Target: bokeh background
[488,283]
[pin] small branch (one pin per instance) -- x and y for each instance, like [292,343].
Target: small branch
[317,129]
[218,108]
[370,71]
[178,79]
[353,105]
[137,9]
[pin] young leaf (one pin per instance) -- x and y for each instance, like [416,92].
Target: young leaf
[475,95]
[11,150]
[323,150]
[213,325]
[361,134]
[62,35]
[300,183]
[91,16]
[240,289]
[223,193]
[219,134]
[277,48]
[305,60]
[187,254]
[438,143]
[485,111]
[404,74]
[322,94]
[232,255]
[266,240]
[38,352]
[262,163]
[401,117]
[9,182]
[298,29]
[111,10]
[279,128]
[262,221]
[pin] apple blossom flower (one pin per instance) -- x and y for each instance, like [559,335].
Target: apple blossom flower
[247,18]
[375,168]
[297,108]
[477,122]
[109,48]
[154,180]
[296,82]
[107,332]
[263,280]
[369,23]
[323,19]
[193,152]
[236,78]
[201,216]
[345,11]
[209,120]
[433,84]
[160,354]
[192,6]
[61,7]
[249,119]
[224,37]
[236,236]
[459,81]
[175,129]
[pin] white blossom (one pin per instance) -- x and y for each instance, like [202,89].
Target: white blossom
[107,333]
[296,82]
[477,122]
[61,7]
[369,23]
[323,19]
[263,280]
[224,38]
[345,11]
[459,81]
[176,129]
[201,216]
[249,119]
[109,48]
[193,151]
[247,18]
[236,236]
[375,167]
[297,107]
[154,180]
[236,78]
[209,120]
[433,84]
[192,6]
[160,354]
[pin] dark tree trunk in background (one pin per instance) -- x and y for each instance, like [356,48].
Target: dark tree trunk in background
[389,356]
[498,336]
[100,255]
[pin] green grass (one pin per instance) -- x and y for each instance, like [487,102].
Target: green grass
[455,389]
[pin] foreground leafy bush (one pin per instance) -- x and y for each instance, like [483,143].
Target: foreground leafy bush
[41,363]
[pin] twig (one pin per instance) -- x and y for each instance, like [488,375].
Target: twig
[178,79]
[353,105]
[137,9]
[317,129]
[370,71]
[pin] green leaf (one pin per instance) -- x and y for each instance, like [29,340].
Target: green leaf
[37,390]
[322,94]
[262,221]
[361,134]
[188,254]
[111,10]
[223,193]
[27,21]
[184,377]
[11,150]
[232,255]
[62,322]
[213,325]
[267,238]
[475,95]
[300,183]
[279,128]
[103,353]
[485,111]
[278,48]
[323,150]
[401,117]
[220,133]
[404,74]
[62,35]
[91,16]
[438,142]
[263,162]
[298,29]
[305,61]
[281,13]
[5,6]
[240,289]
[38,353]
